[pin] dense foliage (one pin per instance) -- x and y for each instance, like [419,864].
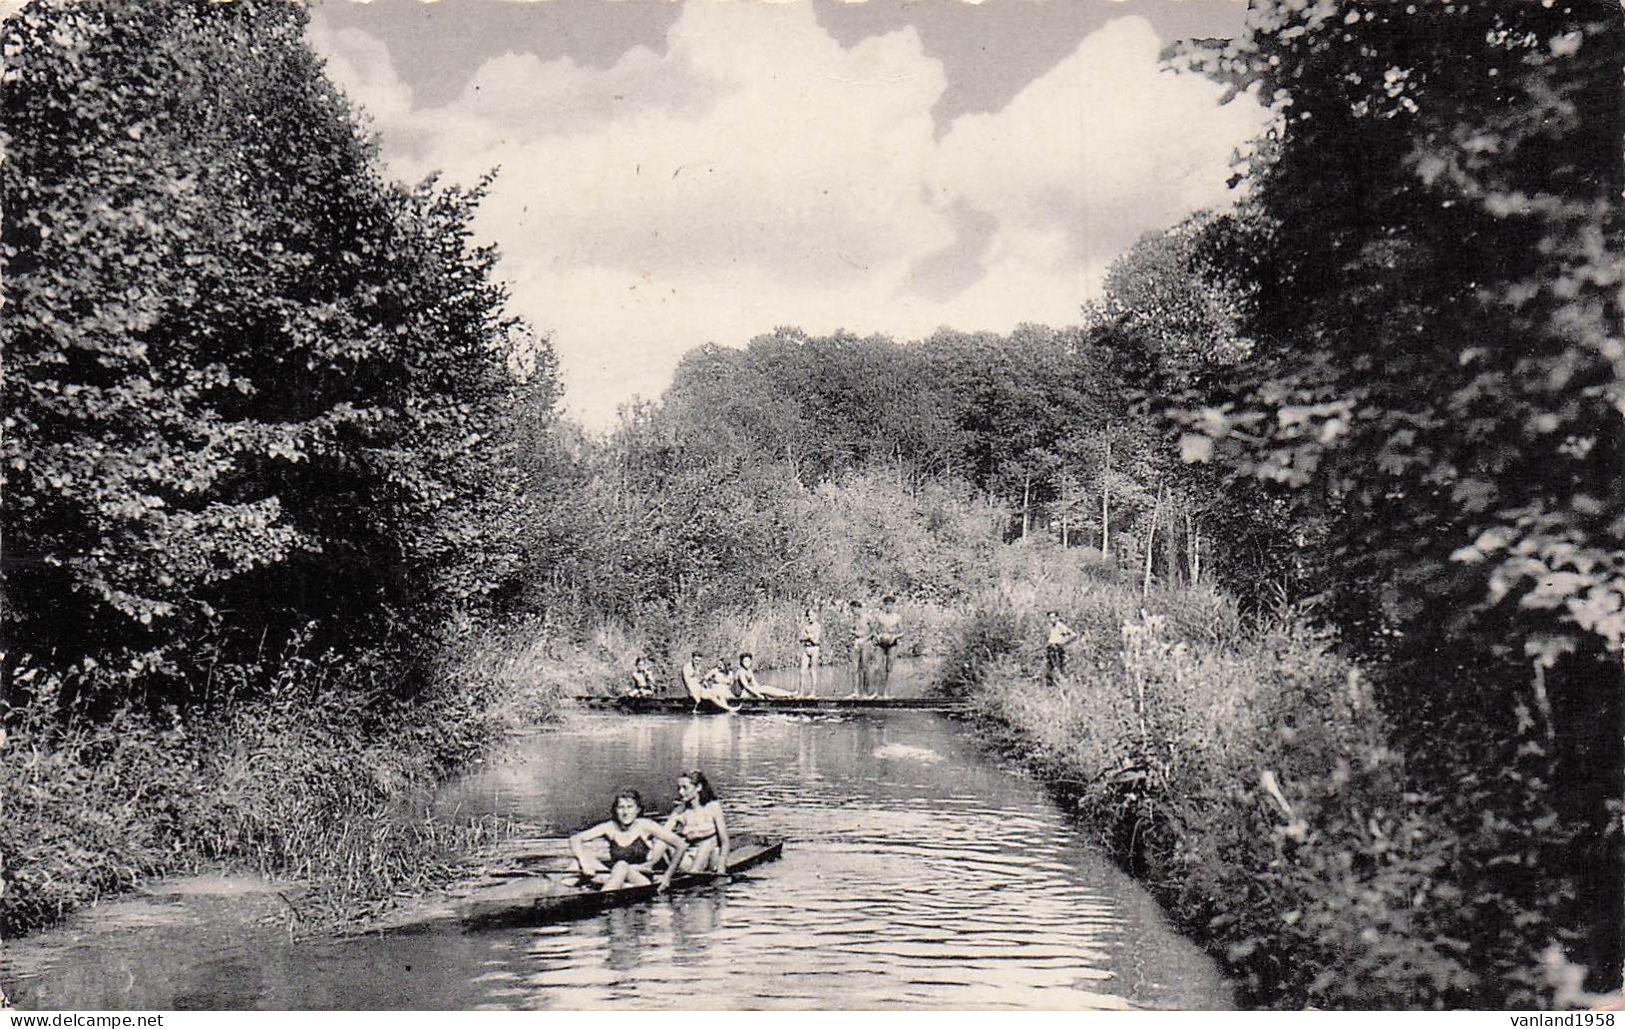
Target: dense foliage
[1430,262]
[250,385]
[813,467]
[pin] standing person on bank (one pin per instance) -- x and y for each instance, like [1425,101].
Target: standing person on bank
[812,641]
[886,630]
[860,650]
[1060,637]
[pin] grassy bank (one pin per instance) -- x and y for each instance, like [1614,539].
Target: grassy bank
[316,780]
[1244,772]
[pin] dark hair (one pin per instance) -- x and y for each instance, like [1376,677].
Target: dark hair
[696,653]
[1052,614]
[745,655]
[856,603]
[626,794]
[697,777]
[888,599]
[640,661]
[811,611]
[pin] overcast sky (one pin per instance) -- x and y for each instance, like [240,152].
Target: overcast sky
[677,173]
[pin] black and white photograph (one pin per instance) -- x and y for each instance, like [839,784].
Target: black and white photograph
[812,505]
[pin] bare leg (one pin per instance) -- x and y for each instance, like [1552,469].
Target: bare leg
[882,676]
[701,857]
[860,669]
[617,876]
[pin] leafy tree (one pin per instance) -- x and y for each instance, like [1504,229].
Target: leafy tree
[249,383]
[1436,331]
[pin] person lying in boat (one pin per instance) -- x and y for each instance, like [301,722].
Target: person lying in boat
[698,819]
[745,679]
[699,686]
[632,841]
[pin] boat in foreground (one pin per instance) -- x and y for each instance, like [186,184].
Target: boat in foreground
[541,898]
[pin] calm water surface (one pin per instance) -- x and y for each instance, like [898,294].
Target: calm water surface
[917,874]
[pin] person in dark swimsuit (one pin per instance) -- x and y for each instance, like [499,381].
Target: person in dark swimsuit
[643,684]
[631,855]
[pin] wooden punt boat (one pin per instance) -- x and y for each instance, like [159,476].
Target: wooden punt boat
[542,898]
[753,705]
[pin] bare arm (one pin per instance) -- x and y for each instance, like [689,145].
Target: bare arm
[578,844]
[722,841]
[678,845]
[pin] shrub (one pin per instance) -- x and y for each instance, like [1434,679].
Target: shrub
[312,779]
[1246,773]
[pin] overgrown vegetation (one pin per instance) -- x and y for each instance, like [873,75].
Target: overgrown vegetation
[254,405]
[1248,775]
[321,776]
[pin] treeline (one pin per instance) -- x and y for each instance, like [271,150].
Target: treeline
[816,466]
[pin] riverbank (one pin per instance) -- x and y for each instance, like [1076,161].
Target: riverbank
[1244,772]
[316,780]
[598,660]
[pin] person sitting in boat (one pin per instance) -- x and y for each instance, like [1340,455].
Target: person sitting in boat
[632,840]
[745,679]
[698,820]
[643,684]
[699,685]
[720,679]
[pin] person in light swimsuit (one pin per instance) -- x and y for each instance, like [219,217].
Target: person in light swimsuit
[861,645]
[634,843]
[700,686]
[699,821]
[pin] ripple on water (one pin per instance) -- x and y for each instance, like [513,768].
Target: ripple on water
[917,875]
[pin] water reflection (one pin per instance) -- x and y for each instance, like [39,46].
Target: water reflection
[918,875]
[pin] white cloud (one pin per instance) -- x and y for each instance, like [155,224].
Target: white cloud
[757,174]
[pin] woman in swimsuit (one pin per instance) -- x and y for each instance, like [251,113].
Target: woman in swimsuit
[745,679]
[631,857]
[698,819]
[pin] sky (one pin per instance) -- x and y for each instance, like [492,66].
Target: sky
[676,173]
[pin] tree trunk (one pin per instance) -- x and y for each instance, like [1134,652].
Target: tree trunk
[1150,545]
[1026,497]
[1065,511]
[1106,505]
[1193,543]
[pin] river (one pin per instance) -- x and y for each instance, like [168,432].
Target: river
[918,873]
